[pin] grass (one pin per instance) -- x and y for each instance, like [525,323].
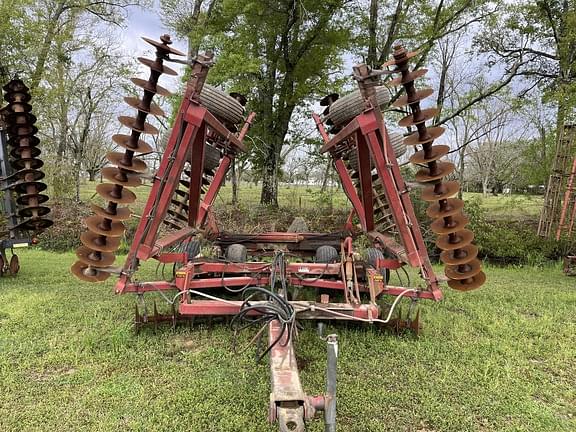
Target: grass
[497,359]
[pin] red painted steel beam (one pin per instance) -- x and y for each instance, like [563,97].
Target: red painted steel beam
[350,191]
[212,192]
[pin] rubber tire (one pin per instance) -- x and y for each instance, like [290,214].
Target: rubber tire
[352,104]
[236,253]
[327,255]
[192,249]
[221,105]
[14,266]
[397,142]
[373,254]
[211,157]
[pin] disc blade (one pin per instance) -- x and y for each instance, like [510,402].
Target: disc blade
[435,153]
[412,76]
[117,176]
[404,59]
[132,123]
[460,255]
[463,271]
[134,164]
[31,163]
[418,96]
[163,47]
[468,284]
[156,89]
[99,243]
[127,142]
[88,274]
[456,241]
[424,115]
[122,213]
[97,224]
[451,207]
[110,193]
[157,66]
[37,211]
[95,258]
[447,190]
[136,103]
[444,169]
[440,226]
[31,199]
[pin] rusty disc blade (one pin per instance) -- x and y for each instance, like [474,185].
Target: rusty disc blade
[404,59]
[30,187]
[17,97]
[447,190]
[95,258]
[163,47]
[435,153]
[455,241]
[29,141]
[25,152]
[24,163]
[158,67]
[19,106]
[97,225]
[157,89]
[110,193]
[30,174]
[418,96]
[132,123]
[88,274]
[136,103]
[136,165]
[126,142]
[179,204]
[99,243]
[37,211]
[412,76]
[173,224]
[21,117]
[444,169]
[22,130]
[424,115]
[463,271]
[440,226]
[468,284]
[29,199]
[452,207]
[15,84]
[122,213]
[432,133]
[460,255]
[117,176]
[35,224]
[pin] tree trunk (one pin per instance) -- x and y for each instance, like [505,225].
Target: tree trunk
[372,59]
[326,176]
[269,195]
[92,174]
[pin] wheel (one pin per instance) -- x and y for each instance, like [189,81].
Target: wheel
[193,249]
[236,253]
[211,157]
[347,107]
[221,105]
[397,142]
[298,225]
[374,254]
[14,266]
[327,255]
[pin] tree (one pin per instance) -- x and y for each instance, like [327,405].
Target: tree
[281,55]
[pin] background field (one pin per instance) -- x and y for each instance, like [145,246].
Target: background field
[497,359]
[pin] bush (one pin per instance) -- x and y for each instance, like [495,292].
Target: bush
[64,235]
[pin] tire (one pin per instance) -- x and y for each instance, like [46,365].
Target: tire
[352,104]
[211,157]
[221,105]
[236,253]
[372,255]
[396,140]
[193,249]
[327,255]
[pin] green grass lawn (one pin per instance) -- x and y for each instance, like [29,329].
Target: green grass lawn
[502,358]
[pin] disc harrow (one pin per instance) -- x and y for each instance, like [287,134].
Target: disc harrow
[26,178]
[106,227]
[463,268]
